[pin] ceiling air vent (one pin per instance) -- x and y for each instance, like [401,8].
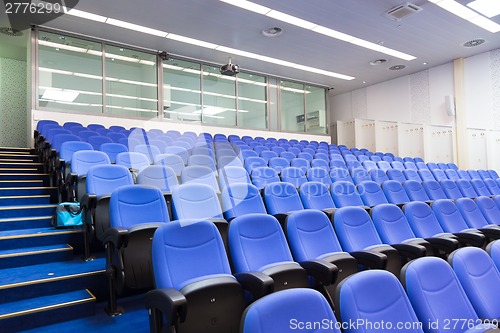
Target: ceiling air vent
[473,43]
[397,67]
[399,12]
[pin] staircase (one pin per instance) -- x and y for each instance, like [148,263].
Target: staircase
[43,279]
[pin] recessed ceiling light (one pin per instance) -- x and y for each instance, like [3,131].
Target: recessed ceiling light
[488,8]
[424,63]
[378,62]
[364,82]
[272,32]
[397,67]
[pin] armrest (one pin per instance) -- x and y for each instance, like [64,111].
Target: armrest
[321,270]
[257,283]
[114,236]
[492,232]
[89,201]
[410,251]
[170,302]
[71,178]
[472,238]
[370,259]
[445,244]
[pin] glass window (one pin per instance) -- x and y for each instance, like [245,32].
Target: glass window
[69,73]
[252,101]
[131,83]
[316,110]
[292,106]
[219,98]
[181,90]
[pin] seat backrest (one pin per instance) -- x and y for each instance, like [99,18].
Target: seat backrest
[195,201]
[480,187]
[439,175]
[410,165]
[267,155]
[355,229]
[132,205]
[294,176]
[319,175]
[233,175]
[84,159]
[493,174]
[411,174]
[415,191]
[394,192]
[184,251]
[116,128]
[278,150]
[306,156]
[422,220]
[369,165]
[448,215]
[70,124]
[344,194]
[490,210]
[278,163]
[241,199]
[288,155]
[452,174]
[300,163]
[484,174]
[277,309]
[397,165]
[263,176]
[433,189]
[480,279]
[315,195]
[132,160]
[383,165]
[371,193]
[227,160]
[378,175]
[115,136]
[473,174]
[397,175]
[359,175]
[160,176]
[59,139]
[98,141]
[310,235]
[471,213]
[492,186]
[105,178]
[425,175]
[463,174]
[452,166]
[177,150]
[253,162]
[362,157]
[112,149]
[52,132]
[150,151]
[375,296]
[197,174]
[340,174]
[257,241]
[494,250]
[203,160]
[281,198]
[432,166]
[421,165]
[466,188]
[451,190]
[375,158]
[173,161]
[436,294]
[68,148]
[391,224]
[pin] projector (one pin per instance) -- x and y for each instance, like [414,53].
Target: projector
[230,69]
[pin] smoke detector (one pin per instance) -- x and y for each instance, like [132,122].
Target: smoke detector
[403,10]
[397,67]
[378,62]
[272,31]
[474,42]
[10,32]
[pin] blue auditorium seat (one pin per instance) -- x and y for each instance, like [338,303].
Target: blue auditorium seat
[451,221]
[473,174]
[492,186]
[356,232]
[338,164]
[494,250]
[150,151]
[375,158]
[177,150]
[135,212]
[369,165]
[489,209]
[340,174]
[115,136]
[294,150]
[289,309]
[281,199]
[315,195]
[241,199]
[190,264]
[480,187]
[411,174]
[319,175]
[493,174]
[288,155]
[263,176]
[371,193]
[278,150]
[383,165]
[437,296]
[463,174]
[451,190]
[253,162]
[452,174]
[397,165]
[484,174]
[433,189]
[362,158]
[112,149]
[375,296]
[133,161]
[116,128]
[86,134]
[267,155]
[98,141]
[378,175]
[397,175]
[388,159]
[306,156]
[421,166]
[300,163]
[481,214]
[466,188]
[197,174]
[425,175]
[439,175]
[442,166]
[394,192]
[195,201]
[94,127]
[432,166]
[410,166]
[224,161]
[173,161]
[82,160]
[233,175]
[452,166]
[480,279]
[344,194]
[160,176]
[359,175]
[294,176]
[415,191]
[63,164]
[202,160]
[70,124]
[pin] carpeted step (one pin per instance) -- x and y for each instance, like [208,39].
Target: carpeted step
[35,255]
[15,167]
[46,310]
[56,277]
[25,200]
[17,150]
[23,177]
[25,223]
[26,191]
[17,156]
[12,239]
[22,183]
[26,211]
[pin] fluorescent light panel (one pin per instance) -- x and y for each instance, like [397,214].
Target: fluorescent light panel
[489,8]
[136,27]
[60,95]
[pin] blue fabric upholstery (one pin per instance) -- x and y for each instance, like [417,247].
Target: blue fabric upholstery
[493,174]
[173,161]
[98,141]
[195,201]
[320,175]
[160,176]
[432,166]
[371,193]
[396,175]
[391,224]
[281,198]
[449,216]
[421,165]
[254,162]
[112,149]
[492,186]
[494,251]
[104,179]
[439,175]
[433,189]
[451,190]
[344,194]
[480,279]
[294,176]
[452,174]
[176,150]
[315,195]
[480,187]
[484,174]
[263,176]
[466,188]
[463,174]
[232,175]
[383,165]
[422,220]
[394,192]
[68,148]
[411,174]
[375,296]
[286,310]
[240,199]
[278,163]
[132,160]
[378,175]
[490,210]
[84,159]
[196,174]
[425,175]
[410,165]
[472,214]
[473,174]
[415,191]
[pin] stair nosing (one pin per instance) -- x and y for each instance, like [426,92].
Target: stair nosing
[24,174]
[21,181]
[27,207]
[51,279]
[45,234]
[20,254]
[35,196]
[27,187]
[32,218]
[91,298]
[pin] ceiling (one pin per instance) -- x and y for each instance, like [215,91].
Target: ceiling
[432,35]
